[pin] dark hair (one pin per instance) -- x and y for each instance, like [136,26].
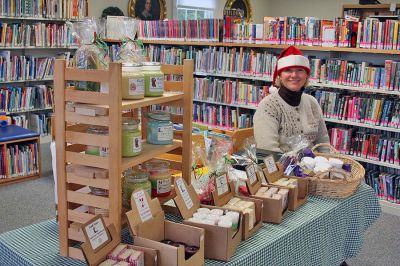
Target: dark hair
[112,11]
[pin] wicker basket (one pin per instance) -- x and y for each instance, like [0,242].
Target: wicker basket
[336,188]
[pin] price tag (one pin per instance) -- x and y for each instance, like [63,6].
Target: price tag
[96,233]
[251,173]
[142,205]
[270,164]
[184,193]
[222,184]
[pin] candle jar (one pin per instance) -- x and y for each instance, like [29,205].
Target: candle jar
[95,150]
[132,82]
[153,79]
[160,177]
[134,179]
[159,128]
[131,137]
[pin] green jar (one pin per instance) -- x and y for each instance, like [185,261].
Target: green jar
[132,82]
[131,137]
[153,79]
[134,179]
[95,150]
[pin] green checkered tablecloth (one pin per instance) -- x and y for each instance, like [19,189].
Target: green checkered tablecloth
[322,232]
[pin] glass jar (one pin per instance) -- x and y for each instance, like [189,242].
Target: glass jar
[95,150]
[132,82]
[153,79]
[160,177]
[159,128]
[134,179]
[131,137]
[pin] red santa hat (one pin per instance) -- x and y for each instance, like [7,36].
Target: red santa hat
[291,57]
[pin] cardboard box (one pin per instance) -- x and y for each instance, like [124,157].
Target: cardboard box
[148,226]
[273,211]
[222,197]
[96,255]
[298,195]
[220,243]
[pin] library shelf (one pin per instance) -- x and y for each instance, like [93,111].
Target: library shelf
[227,104]
[390,207]
[25,81]
[29,110]
[365,160]
[345,122]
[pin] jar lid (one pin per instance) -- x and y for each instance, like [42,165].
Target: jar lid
[151,66]
[98,130]
[130,123]
[136,176]
[156,165]
[159,115]
[131,64]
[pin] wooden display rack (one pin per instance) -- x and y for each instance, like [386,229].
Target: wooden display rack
[72,139]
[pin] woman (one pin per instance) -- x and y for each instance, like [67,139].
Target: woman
[289,112]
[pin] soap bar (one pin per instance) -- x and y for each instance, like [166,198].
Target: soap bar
[116,251]
[248,205]
[263,189]
[137,258]
[233,201]
[122,263]
[124,255]
[252,217]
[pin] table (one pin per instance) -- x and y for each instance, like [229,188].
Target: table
[322,232]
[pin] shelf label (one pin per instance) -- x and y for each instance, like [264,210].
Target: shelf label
[270,164]
[96,233]
[251,173]
[184,193]
[221,183]
[142,205]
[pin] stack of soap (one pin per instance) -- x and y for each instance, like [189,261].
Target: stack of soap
[275,193]
[216,217]
[243,206]
[292,182]
[124,255]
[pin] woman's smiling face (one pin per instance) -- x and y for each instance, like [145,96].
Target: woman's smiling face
[293,78]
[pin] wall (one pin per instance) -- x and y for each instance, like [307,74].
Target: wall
[326,9]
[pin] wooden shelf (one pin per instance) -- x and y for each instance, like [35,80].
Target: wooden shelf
[168,97]
[26,81]
[39,19]
[277,46]
[227,104]
[17,179]
[345,122]
[149,151]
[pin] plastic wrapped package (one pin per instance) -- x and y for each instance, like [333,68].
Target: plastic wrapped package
[131,50]
[91,53]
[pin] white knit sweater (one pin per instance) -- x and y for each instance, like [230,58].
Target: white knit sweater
[275,121]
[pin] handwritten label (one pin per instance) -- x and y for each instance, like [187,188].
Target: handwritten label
[142,205]
[270,164]
[222,184]
[184,193]
[251,173]
[96,233]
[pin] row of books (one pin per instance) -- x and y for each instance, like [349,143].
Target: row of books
[13,99]
[229,91]
[361,108]
[39,122]
[37,35]
[367,144]
[56,9]
[19,160]
[311,31]
[386,185]
[180,30]
[221,116]
[14,68]
[167,55]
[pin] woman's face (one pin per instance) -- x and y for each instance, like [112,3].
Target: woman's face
[293,78]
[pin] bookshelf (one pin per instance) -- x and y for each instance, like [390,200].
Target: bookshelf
[45,36]
[364,11]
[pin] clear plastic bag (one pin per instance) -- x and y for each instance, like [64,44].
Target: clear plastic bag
[91,53]
[131,50]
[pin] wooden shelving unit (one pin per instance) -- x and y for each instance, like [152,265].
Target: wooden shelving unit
[370,10]
[72,139]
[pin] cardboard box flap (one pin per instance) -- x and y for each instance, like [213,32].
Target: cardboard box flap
[253,180]
[99,240]
[150,255]
[146,219]
[186,198]
[272,177]
[222,199]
